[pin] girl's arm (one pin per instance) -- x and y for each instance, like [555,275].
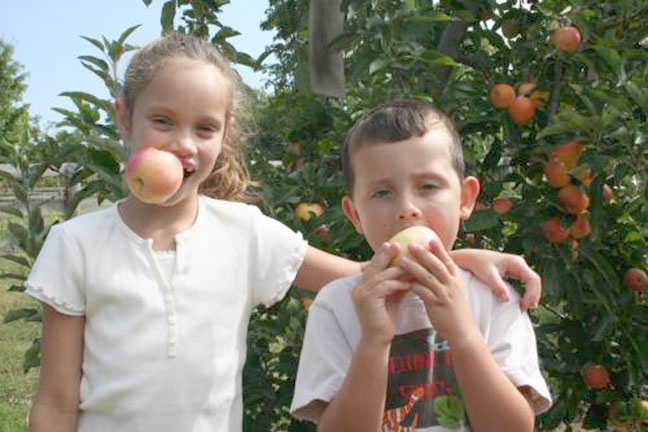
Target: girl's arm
[319,268]
[56,402]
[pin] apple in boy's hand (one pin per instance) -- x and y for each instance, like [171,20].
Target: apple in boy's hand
[153,175]
[416,234]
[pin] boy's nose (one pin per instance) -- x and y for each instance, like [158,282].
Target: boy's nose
[408,211]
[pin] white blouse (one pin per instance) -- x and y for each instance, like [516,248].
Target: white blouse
[165,353]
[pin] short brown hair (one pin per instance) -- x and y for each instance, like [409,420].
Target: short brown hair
[398,121]
[229,178]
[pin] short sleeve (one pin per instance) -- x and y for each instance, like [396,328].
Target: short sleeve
[56,276]
[276,256]
[323,364]
[512,343]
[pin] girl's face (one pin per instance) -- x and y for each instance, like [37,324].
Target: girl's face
[182,110]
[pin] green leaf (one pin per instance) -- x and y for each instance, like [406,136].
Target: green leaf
[480,221]
[147,2]
[168,15]
[94,42]
[101,64]
[127,33]
[32,356]
[12,211]
[434,17]
[23,313]
[378,64]
[18,259]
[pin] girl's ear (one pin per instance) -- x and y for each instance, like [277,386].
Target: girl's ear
[469,193]
[349,210]
[123,119]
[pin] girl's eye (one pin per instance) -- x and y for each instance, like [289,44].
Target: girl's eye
[207,128]
[161,121]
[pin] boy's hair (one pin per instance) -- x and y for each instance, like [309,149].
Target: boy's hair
[398,121]
[229,178]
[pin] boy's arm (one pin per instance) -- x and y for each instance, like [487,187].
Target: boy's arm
[491,267]
[358,405]
[320,268]
[56,402]
[492,401]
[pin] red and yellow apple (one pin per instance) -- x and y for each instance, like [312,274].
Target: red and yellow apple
[566,39]
[521,111]
[305,211]
[501,95]
[567,153]
[501,206]
[636,279]
[581,227]
[553,231]
[418,234]
[573,199]
[556,174]
[153,175]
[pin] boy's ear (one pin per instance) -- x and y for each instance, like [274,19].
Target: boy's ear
[351,213]
[469,192]
[123,119]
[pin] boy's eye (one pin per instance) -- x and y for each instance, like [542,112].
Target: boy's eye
[381,193]
[428,186]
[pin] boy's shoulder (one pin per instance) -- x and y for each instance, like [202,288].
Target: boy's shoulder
[336,295]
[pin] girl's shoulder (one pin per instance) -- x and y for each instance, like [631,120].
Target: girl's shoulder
[91,222]
[230,211]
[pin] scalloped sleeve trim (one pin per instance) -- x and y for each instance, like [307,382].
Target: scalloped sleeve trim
[59,305]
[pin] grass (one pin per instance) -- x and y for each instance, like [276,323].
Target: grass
[16,387]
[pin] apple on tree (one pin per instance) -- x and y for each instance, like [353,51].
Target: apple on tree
[305,211]
[153,175]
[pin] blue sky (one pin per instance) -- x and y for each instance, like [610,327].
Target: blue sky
[46,35]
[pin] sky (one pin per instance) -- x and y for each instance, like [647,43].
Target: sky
[46,35]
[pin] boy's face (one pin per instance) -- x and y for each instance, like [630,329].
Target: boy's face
[407,183]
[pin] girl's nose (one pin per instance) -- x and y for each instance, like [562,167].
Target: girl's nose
[183,143]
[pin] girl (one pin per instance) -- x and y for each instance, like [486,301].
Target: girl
[146,307]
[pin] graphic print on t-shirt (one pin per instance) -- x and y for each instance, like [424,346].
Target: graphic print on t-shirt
[422,391]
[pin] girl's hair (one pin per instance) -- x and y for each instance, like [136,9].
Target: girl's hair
[229,179]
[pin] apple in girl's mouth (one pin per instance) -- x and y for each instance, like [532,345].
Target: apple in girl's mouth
[154,175]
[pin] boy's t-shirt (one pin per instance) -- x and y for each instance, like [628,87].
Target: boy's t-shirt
[422,392]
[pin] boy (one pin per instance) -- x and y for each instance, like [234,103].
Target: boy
[422,345]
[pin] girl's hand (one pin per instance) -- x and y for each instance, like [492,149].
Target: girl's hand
[378,295]
[492,267]
[437,282]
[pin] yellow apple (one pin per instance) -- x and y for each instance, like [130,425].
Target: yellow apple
[305,211]
[416,234]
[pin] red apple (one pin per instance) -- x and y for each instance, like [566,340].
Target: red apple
[322,231]
[596,376]
[501,206]
[416,234]
[636,279]
[153,175]
[567,39]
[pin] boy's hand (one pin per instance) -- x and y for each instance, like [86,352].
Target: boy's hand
[378,295]
[437,283]
[492,267]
